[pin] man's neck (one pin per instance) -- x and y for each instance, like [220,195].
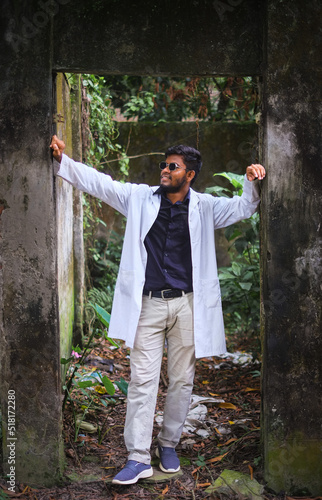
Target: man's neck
[180,196]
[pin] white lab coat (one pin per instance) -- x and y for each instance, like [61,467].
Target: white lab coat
[138,203]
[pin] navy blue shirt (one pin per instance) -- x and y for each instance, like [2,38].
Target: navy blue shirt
[168,247]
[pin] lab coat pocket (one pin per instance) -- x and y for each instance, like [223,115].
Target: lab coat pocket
[125,282]
[210,290]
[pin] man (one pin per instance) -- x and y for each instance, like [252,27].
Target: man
[167,289]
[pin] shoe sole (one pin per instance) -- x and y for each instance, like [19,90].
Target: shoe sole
[143,475]
[167,471]
[170,471]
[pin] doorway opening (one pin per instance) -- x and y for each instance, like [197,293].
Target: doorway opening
[100,386]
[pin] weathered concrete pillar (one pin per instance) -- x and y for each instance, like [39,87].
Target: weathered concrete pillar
[292,249]
[69,217]
[78,246]
[64,220]
[29,336]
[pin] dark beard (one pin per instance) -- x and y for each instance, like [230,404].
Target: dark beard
[172,189]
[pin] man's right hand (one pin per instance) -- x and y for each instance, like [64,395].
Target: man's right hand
[58,147]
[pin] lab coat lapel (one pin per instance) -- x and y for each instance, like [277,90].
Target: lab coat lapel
[151,212]
[194,223]
[194,200]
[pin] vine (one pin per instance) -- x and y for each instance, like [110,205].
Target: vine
[100,135]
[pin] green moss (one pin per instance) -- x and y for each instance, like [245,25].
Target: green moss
[74,477]
[66,321]
[295,465]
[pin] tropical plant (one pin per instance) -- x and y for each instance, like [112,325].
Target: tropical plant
[239,282]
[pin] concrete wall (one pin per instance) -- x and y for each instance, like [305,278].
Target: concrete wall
[177,38]
[29,328]
[292,249]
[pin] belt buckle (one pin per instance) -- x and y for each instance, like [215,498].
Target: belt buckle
[166,291]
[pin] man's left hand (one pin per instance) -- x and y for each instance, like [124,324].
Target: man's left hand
[255,171]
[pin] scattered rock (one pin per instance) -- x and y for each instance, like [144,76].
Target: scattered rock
[240,484]
[105,364]
[86,426]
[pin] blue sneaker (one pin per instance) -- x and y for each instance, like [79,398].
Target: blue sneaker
[169,461]
[132,472]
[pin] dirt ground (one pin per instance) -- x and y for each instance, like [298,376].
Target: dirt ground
[227,438]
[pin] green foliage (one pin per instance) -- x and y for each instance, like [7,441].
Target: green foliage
[97,296]
[3,495]
[72,379]
[91,219]
[103,267]
[142,105]
[106,261]
[201,461]
[175,99]
[90,386]
[102,126]
[103,134]
[240,285]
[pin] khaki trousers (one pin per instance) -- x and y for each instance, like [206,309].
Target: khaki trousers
[160,320]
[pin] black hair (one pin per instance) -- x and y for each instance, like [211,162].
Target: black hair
[191,158]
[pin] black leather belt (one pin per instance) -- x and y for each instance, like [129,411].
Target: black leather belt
[165,294]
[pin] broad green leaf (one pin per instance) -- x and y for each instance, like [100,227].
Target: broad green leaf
[122,385]
[236,180]
[64,361]
[102,315]
[226,275]
[85,383]
[236,268]
[111,341]
[108,385]
[245,286]
[219,191]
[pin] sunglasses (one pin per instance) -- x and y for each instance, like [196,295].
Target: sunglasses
[172,166]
